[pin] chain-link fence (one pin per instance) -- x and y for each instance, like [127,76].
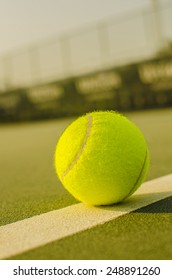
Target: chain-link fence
[110,43]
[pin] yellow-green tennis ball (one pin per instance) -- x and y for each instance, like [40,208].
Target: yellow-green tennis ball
[101,158]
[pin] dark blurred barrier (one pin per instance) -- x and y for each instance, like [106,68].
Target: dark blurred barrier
[133,87]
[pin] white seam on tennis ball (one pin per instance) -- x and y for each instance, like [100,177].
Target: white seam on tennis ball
[131,191]
[89,125]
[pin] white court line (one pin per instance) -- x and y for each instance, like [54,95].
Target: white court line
[39,230]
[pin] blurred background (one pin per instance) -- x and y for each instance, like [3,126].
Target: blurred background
[64,58]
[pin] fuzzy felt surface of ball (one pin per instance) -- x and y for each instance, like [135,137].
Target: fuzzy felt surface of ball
[101,158]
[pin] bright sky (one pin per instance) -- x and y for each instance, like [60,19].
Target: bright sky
[28,21]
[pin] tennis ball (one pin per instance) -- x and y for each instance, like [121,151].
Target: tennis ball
[101,158]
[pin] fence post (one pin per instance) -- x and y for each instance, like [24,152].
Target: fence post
[157,21]
[35,68]
[104,44]
[7,72]
[66,55]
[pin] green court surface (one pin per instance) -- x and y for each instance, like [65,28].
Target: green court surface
[29,187]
